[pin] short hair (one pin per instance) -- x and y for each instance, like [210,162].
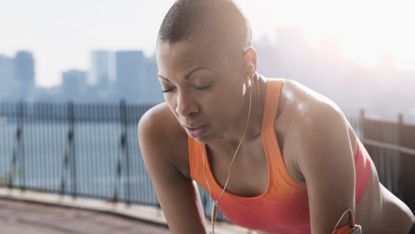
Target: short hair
[190,18]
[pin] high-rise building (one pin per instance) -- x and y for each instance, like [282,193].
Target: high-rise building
[73,84]
[6,75]
[101,68]
[24,74]
[24,66]
[130,73]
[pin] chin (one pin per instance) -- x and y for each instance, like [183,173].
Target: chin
[204,139]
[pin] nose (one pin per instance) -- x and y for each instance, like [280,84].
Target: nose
[185,105]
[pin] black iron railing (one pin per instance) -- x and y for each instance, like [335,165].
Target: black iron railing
[91,150]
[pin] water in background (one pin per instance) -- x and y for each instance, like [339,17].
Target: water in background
[88,150]
[36,151]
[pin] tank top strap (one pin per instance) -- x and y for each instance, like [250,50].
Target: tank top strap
[199,169]
[268,135]
[277,169]
[194,158]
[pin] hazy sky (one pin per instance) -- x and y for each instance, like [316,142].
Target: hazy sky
[61,33]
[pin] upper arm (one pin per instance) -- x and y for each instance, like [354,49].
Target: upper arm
[326,160]
[178,195]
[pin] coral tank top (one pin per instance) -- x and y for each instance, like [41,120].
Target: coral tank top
[283,206]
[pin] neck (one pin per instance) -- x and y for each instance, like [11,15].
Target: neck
[233,134]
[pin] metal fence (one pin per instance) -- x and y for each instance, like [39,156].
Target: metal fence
[91,150]
[392,148]
[87,150]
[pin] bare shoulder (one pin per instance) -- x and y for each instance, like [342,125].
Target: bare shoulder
[309,119]
[158,128]
[159,120]
[319,145]
[306,99]
[308,108]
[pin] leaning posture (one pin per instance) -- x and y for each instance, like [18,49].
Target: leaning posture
[274,155]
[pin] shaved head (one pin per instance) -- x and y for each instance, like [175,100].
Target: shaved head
[216,19]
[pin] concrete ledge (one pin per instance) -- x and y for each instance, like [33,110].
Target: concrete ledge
[143,213]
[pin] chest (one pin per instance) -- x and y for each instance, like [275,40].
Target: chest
[249,174]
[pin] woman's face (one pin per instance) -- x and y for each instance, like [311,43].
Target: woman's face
[203,84]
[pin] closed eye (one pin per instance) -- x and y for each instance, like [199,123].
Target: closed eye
[167,90]
[203,87]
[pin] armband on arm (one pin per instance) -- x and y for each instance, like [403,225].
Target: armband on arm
[351,228]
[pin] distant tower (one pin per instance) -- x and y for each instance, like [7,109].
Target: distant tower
[24,73]
[73,84]
[101,68]
[130,73]
[6,76]
[24,67]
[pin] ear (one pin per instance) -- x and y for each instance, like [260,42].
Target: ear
[250,62]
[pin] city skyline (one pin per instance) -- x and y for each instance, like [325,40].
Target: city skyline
[62,34]
[382,90]
[111,76]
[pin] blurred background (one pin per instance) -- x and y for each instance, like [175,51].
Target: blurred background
[76,76]
[361,54]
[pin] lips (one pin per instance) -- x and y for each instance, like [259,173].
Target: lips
[196,131]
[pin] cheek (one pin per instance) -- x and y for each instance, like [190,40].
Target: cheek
[169,99]
[225,106]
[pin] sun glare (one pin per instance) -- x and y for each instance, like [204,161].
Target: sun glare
[367,30]
[371,29]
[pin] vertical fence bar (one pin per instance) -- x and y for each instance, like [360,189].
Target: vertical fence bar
[39,131]
[59,157]
[406,139]
[103,125]
[99,127]
[401,191]
[69,161]
[49,122]
[395,159]
[94,123]
[89,124]
[362,124]
[18,150]
[22,155]
[110,132]
[65,159]
[118,167]
[124,148]
[47,125]
[30,158]
[3,136]
[71,138]
[15,151]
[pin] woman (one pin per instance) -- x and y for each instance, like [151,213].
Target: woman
[274,155]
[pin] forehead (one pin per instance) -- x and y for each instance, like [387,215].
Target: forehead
[187,51]
[205,51]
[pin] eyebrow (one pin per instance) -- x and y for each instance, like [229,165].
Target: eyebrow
[187,76]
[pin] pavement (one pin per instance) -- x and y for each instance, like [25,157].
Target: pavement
[19,217]
[33,212]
